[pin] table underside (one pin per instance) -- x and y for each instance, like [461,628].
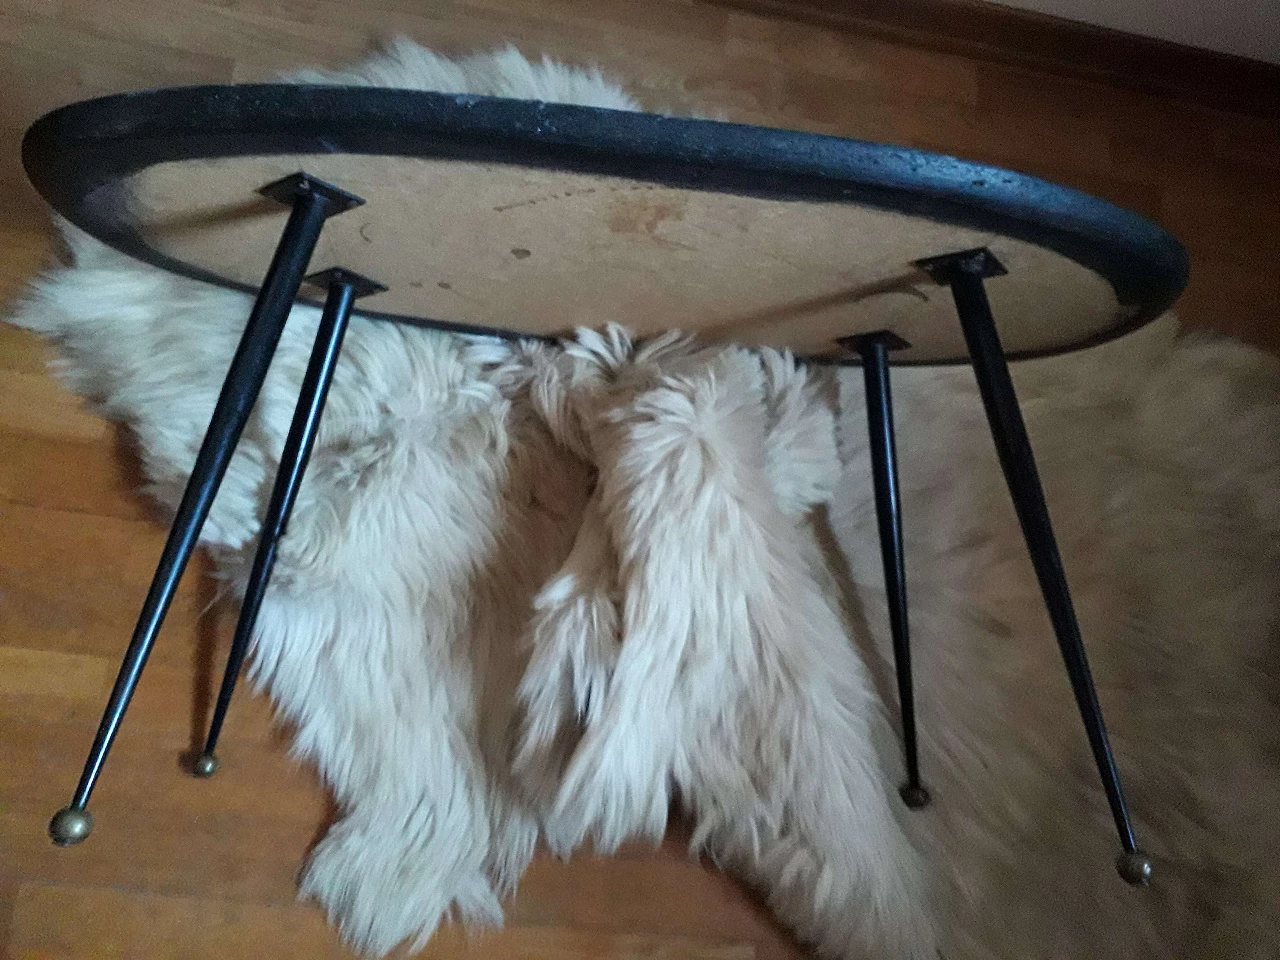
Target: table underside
[540,251]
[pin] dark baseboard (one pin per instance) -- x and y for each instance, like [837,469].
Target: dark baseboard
[1049,44]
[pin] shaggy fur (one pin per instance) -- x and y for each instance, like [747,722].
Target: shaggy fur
[720,670]
[1161,460]
[641,518]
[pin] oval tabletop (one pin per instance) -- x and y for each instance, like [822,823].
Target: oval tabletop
[495,215]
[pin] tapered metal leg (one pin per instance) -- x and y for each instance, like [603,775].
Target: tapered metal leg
[312,202]
[344,288]
[874,349]
[965,273]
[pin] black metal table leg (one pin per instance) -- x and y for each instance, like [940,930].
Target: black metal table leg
[312,202]
[344,287]
[965,272]
[874,349]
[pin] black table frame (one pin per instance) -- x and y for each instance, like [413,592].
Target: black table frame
[72,154]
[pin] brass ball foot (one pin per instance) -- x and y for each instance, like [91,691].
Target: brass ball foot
[206,765]
[70,825]
[915,798]
[1135,868]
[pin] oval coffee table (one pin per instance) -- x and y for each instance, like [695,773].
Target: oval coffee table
[507,217]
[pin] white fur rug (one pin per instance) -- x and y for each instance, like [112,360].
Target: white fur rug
[488,622]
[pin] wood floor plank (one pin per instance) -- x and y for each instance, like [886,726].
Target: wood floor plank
[35,403]
[60,676]
[94,477]
[22,351]
[73,581]
[65,922]
[8,901]
[179,867]
[76,922]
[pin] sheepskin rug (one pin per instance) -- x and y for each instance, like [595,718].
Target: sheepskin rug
[548,592]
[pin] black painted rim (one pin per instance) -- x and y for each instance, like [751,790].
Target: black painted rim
[72,152]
